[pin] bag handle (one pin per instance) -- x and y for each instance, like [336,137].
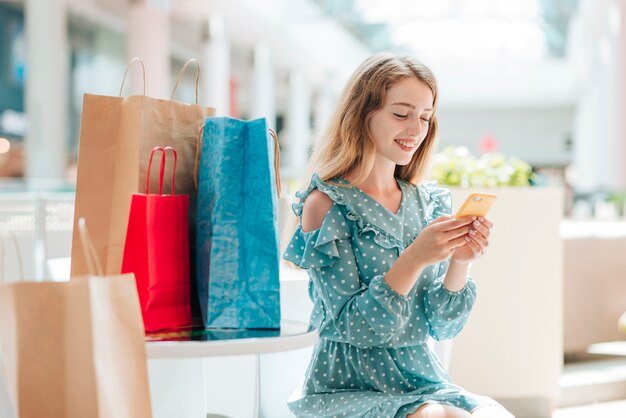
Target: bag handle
[196,162]
[162,168]
[143,68]
[180,74]
[276,160]
[94,267]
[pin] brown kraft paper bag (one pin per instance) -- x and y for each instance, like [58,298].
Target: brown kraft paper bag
[74,349]
[116,134]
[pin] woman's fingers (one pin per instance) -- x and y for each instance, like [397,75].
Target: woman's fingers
[479,238]
[454,243]
[486,222]
[441,219]
[451,223]
[481,228]
[476,248]
[455,233]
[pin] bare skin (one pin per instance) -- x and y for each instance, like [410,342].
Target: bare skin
[447,411]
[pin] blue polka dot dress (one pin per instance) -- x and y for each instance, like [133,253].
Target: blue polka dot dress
[372,359]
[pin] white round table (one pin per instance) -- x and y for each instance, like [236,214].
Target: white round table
[201,344]
[208,343]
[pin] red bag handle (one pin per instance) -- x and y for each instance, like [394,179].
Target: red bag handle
[162,168]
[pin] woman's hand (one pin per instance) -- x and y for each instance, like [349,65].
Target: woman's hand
[477,241]
[439,240]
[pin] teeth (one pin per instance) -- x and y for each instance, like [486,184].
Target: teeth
[405,144]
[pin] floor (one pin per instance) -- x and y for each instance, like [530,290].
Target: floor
[593,388]
[614,409]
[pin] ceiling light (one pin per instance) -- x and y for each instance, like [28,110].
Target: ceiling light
[5,145]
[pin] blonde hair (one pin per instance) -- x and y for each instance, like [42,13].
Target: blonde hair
[348,144]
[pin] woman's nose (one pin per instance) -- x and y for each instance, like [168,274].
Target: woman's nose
[414,129]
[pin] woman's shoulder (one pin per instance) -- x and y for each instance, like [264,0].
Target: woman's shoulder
[432,191]
[319,195]
[437,200]
[316,206]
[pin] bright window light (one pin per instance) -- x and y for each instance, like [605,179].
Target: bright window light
[490,30]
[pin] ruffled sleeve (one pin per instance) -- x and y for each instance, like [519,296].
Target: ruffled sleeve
[364,315]
[447,311]
[318,248]
[438,202]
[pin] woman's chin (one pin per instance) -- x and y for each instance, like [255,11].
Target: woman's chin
[403,161]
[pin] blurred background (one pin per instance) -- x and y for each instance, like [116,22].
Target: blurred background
[542,80]
[537,86]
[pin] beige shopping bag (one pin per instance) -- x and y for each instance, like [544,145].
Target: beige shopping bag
[116,134]
[74,349]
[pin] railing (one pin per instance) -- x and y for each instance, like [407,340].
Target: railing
[42,224]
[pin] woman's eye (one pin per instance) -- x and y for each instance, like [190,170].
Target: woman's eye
[400,116]
[425,120]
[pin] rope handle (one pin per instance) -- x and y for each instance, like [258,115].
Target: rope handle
[89,251]
[143,67]
[180,74]
[162,168]
[196,161]
[276,161]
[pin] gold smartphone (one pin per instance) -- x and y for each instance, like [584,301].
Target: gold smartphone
[476,204]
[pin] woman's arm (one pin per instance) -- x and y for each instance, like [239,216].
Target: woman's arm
[448,300]
[456,276]
[434,244]
[475,246]
[362,315]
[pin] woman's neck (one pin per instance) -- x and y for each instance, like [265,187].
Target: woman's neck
[380,181]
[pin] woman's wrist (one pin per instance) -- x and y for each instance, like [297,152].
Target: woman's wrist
[403,274]
[460,263]
[456,276]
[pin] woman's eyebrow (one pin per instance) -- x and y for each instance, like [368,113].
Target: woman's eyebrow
[411,106]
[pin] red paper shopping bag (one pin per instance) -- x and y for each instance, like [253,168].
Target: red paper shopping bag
[157,251]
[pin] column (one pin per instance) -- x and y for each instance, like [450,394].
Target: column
[599,129]
[263,86]
[215,66]
[619,21]
[296,136]
[46,92]
[324,108]
[149,39]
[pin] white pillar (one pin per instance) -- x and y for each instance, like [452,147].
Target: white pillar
[263,86]
[297,132]
[620,155]
[215,63]
[46,92]
[599,131]
[324,107]
[149,39]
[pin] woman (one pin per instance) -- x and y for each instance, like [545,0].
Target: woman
[388,265]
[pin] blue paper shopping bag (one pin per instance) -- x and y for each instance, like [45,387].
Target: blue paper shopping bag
[237,248]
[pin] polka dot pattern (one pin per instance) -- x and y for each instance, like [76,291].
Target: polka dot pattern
[372,359]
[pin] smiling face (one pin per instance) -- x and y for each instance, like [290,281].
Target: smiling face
[402,122]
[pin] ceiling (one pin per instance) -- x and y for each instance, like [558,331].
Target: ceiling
[484,52]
